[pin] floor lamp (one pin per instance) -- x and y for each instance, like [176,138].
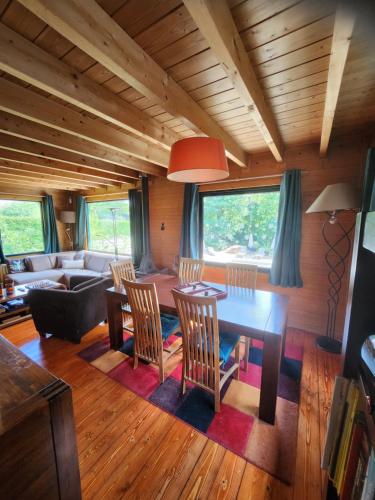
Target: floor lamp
[332,200]
[68,217]
[114,224]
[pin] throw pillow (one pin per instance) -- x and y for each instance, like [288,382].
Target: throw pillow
[60,258]
[16,266]
[73,264]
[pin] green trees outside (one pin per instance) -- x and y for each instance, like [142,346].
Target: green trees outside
[243,224]
[100,225]
[21,226]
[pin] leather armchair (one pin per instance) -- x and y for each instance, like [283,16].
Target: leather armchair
[69,314]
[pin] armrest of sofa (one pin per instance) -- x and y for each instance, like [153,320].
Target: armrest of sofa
[76,280]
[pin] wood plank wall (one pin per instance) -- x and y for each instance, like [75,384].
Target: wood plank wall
[345,162]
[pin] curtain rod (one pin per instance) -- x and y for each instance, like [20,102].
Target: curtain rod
[255,178]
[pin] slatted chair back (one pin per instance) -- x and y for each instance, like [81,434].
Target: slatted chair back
[200,339]
[144,304]
[190,270]
[241,275]
[122,269]
[240,279]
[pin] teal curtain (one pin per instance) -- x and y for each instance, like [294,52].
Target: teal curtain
[136,225]
[368,203]
[189,242]
[2,256]
[285,270]
[51,239]
[81,223]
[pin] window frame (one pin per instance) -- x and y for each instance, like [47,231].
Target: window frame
[228,192]
[38,252]
[88,228]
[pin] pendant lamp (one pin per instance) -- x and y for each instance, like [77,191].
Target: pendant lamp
[198,159]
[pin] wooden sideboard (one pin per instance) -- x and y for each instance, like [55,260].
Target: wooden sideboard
[38,456]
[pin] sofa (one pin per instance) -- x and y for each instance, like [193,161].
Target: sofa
[60,267]
[69,314]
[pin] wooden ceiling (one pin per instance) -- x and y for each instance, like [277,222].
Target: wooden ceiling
[94,93]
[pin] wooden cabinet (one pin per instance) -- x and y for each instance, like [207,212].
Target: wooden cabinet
[38,457]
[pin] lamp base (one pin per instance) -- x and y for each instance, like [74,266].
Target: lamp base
[329,345]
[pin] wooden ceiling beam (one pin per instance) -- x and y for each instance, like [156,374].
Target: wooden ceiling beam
[91,29]
[26,182]
[215,22]
[19,127]
[12,172]
[83,163]
[342,34]
[62,167]
[24,60]
[55,173]
[24,103]
[106,192]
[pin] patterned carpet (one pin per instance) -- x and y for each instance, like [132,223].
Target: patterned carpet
[237,426]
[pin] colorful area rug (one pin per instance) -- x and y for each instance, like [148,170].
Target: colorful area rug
[237,426]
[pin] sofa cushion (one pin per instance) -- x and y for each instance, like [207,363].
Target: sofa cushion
[80,254]
[60,258]
[28,277]
[72,264]
[37,263]
[97,262]
[16,265]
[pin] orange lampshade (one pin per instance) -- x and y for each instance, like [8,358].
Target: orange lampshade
[198,159]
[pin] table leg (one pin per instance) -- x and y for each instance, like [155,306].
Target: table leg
[270,377]
[114,321]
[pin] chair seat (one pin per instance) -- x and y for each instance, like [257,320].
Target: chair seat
[169,323]
[227,342]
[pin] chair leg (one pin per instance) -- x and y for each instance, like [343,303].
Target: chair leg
[135,365]
[183,385]
[217,399]
[161,369]
[238,361]
[247,352]
[183,380]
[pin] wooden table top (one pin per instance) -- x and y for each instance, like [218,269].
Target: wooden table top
[19,292]
[248,312]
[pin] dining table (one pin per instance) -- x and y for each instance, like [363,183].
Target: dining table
[257,314]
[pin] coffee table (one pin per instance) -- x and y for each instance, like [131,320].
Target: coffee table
[20,292]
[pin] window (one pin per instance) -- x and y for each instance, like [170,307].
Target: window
[100,226]
[239,226]
[21,227]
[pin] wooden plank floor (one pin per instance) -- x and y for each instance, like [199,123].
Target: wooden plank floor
[131,449]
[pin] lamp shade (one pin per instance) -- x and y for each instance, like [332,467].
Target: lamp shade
[334,197]
[68,216]
[198,159]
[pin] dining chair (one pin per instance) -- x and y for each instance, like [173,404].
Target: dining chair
[123,269]
[242,277]
[205,349]
[190,270]
[151,329]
